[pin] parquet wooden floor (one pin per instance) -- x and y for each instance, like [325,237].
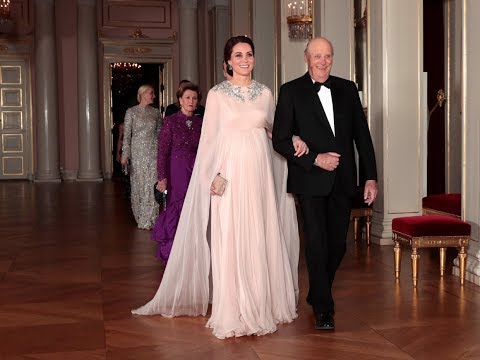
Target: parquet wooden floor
[73,264]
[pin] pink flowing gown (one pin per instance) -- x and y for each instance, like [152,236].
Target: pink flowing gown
[252,247]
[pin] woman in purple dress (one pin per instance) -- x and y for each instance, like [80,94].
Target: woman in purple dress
[177,148]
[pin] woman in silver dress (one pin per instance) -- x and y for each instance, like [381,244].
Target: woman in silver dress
[142,124]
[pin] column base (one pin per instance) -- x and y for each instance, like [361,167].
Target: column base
[471,277]
[98,179]
[36,180]
[472,272]
[47,176]
[90,176]
[69,175]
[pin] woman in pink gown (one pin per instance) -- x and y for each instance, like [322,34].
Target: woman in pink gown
[252,246]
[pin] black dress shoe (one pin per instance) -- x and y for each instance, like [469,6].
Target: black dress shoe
[324,321]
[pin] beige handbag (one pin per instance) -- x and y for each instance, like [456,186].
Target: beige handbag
[218,185]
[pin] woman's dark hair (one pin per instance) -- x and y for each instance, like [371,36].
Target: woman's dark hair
[234,40]
[184,86]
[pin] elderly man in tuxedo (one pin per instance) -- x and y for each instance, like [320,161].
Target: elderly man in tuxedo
[326,112]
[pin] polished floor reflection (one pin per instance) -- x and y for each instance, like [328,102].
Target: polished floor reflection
[73,264]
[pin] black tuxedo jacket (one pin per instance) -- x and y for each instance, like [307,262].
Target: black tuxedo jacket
[300,112]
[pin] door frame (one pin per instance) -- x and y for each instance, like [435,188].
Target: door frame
[142,50]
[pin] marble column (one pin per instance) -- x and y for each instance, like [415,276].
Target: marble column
[47,153]
[219,17]
[453,108]
[88,117]
[263,30]
[471,133]
[396,78]
[241,11]
[188,40]
[334,20]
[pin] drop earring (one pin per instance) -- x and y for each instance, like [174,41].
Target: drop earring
[230,67]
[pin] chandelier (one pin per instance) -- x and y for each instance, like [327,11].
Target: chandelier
[299,20]
[6,23]
[125,66]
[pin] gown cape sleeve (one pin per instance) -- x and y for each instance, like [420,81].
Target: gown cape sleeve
[185,286]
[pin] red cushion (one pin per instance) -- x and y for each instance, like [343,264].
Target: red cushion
[433,225]
[449,203]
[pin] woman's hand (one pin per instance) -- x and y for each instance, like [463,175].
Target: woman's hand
[300,146]
[124,161]
[162,185]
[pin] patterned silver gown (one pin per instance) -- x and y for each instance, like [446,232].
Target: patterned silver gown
[142,125]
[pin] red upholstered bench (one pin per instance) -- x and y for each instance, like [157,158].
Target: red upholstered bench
[443,204]
[430,231]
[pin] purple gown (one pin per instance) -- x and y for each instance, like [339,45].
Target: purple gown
[177,148]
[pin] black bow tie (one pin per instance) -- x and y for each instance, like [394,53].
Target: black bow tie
[317,85]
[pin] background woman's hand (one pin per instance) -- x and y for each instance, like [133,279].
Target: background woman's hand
[124,161]
[162,185]
[300,146]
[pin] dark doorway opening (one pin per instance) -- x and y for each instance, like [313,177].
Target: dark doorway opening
[434,65]
[127,77]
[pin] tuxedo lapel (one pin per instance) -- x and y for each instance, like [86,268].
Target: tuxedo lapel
[318,111]
[337,93]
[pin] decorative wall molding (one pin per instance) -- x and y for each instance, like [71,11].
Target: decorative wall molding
[137,50]
[137,13]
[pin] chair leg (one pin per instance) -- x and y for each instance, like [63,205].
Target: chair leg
[355,228]
[369,224]
[415,256]
[443,256]
[462,260]
[398,256]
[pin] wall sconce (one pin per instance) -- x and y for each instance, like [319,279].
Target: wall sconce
[299,20]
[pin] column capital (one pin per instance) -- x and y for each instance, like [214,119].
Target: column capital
[188,4]
[87,2]
[212,3]
[49,2]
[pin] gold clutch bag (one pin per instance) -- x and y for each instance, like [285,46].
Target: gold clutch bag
[218,185]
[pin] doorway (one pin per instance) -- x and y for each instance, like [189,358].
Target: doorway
[126,78]
[157,59]
[434,65]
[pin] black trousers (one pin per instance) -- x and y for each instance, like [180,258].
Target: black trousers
[325,226]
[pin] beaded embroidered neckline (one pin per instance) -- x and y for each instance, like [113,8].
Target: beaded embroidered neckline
[253,90]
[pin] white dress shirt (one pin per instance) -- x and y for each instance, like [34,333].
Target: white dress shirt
[325,96]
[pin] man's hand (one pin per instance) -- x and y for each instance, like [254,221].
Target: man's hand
[328,161]
[370,191]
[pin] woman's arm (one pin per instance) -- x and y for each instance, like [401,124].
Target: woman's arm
[165,140]
[127,137]
[119,142]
